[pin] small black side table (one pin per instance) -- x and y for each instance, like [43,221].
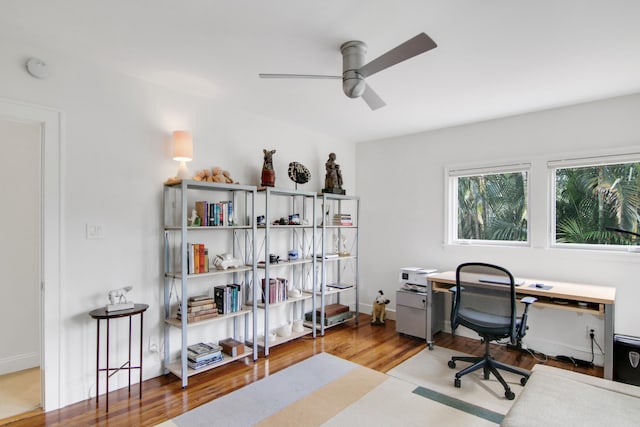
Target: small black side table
[100,314]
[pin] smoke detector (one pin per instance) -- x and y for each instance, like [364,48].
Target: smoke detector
[37,68]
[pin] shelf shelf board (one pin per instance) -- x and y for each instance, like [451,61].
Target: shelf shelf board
[281,340]
[211,227]
[284,263]
[178,323]
[176,369]
[303,297]
[338,258]
[308,324]
[332,291]
[178,275]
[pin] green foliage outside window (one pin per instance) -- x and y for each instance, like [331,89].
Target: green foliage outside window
[593,201]
[493,207]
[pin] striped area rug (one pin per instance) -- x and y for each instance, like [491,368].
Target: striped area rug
[325,390]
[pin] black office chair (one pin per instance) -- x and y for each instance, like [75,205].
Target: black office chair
[484,300]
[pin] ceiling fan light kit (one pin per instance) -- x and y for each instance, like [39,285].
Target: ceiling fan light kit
[355,71]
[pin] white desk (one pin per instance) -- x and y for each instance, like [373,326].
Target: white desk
[598,300]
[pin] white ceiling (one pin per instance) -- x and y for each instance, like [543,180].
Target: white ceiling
[494,57]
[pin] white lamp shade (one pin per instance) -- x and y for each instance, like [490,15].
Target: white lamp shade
[182,146]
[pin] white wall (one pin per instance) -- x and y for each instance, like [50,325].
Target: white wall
[115,156]
[402,184]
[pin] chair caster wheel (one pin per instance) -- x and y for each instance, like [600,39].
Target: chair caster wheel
[456,383]
[486,375]
[509,395]
[523,381]
[452,364]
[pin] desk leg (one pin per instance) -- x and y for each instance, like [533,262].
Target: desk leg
[140,380]
[609,316]
[98,364]
[106,393]
[429,308]
[129,362]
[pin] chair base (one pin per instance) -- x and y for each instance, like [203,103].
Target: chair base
[490,366]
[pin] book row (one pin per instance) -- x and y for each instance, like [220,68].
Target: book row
[197,258]
[214,214]
[277,290]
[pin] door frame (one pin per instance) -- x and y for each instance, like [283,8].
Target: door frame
[50,121]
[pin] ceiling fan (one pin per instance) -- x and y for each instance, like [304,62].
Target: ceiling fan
[355,71]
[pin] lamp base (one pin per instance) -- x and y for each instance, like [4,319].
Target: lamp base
[183,172]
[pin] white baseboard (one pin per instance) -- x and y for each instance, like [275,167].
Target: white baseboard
[19,362]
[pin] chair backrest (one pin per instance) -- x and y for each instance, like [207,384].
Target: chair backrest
[485,300]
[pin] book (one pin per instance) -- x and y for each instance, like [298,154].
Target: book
[200,307]
[210,361]
[220,296]
[202,351]
[202,209]
[199,317]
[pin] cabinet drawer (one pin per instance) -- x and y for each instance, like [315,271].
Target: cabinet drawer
[411,299]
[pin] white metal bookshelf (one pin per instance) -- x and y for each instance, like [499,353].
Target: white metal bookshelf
[299,236]
[238,238]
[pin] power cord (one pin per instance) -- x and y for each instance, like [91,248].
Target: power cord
[580,362]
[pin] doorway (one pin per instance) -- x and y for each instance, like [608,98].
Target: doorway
[20,262]
[44,224]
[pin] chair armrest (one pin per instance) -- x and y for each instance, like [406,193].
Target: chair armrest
[528,300]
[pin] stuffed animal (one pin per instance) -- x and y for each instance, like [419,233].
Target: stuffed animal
[379,309]
[217,176]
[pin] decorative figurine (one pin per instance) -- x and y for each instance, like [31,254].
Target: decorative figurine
[118,300]
[379,309]
[299,173]
[194,220]
[268,174]
[333,177]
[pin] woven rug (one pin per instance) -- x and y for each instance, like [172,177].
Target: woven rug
[429,369]
[325,390]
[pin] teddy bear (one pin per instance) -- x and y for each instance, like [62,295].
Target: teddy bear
[379,309]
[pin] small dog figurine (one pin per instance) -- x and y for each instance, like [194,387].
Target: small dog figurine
[379,309]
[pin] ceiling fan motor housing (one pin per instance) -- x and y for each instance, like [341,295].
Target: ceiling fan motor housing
[353,53]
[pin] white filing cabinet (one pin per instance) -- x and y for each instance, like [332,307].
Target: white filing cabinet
[411,313]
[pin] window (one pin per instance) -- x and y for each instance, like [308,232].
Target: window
[489,205]
[597,201]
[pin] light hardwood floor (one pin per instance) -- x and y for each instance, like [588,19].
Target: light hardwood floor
[376,347]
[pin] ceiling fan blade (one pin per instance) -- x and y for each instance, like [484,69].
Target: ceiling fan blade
[412,47]
[372,99]
[297,76]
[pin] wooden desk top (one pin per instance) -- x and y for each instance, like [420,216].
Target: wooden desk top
[559,290]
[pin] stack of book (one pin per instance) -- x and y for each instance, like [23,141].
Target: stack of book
[342,219]
[231,346]
[203,354]
[200,307]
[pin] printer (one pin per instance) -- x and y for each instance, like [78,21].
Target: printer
[414,278]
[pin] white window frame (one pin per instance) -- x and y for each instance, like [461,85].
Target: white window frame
[451,203]
[588,161]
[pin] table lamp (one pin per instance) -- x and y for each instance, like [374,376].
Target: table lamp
[182,151]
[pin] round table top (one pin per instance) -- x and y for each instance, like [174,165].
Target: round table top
[102,313]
